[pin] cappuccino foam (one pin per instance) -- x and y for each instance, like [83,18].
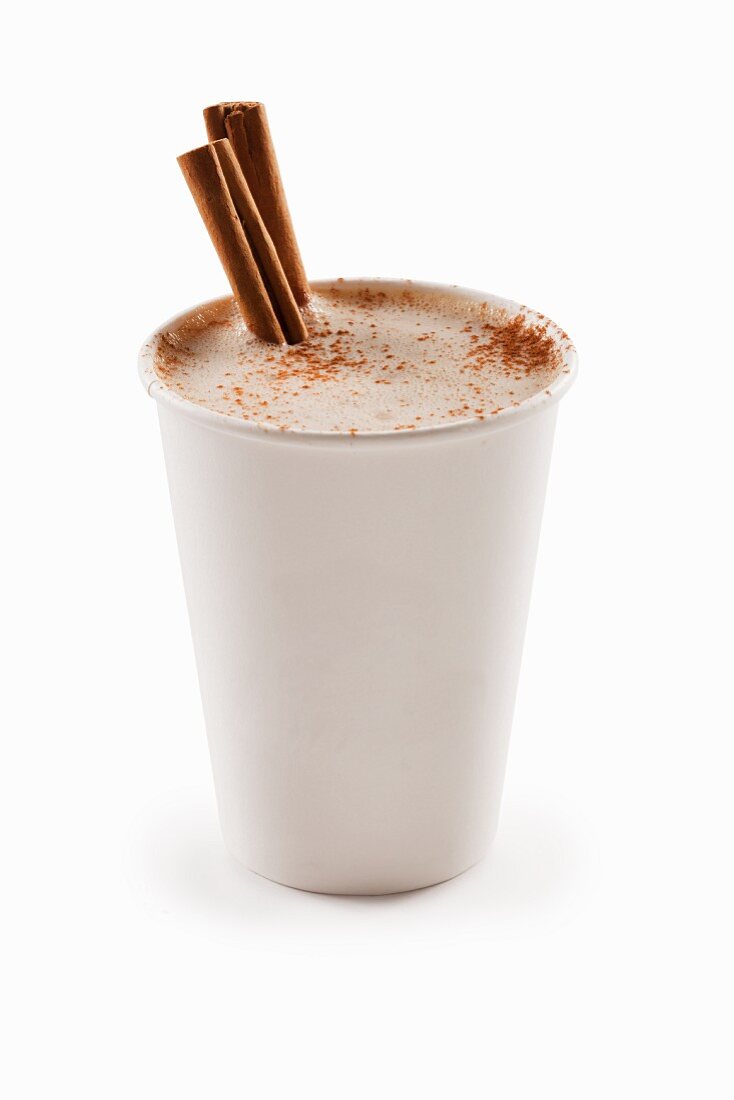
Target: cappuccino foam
[380,357]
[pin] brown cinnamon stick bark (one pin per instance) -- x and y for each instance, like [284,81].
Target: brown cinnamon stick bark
[214,118]
[207,184]
[246,126]
[263,249]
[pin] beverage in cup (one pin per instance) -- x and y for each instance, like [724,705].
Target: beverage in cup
[357,512]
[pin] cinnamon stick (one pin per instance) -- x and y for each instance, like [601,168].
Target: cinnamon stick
[214,119]
[263,249]
[246,126]
[207,184]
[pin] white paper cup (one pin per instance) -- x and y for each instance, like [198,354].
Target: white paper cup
[358,606]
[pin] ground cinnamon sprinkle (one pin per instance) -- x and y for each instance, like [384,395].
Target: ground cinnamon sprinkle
[454,359]
[518,344]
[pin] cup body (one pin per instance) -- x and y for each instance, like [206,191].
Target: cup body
[357,606]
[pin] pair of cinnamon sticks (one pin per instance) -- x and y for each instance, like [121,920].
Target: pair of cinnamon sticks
[237,187]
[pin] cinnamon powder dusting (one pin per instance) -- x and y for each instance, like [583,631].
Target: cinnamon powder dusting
[378,358]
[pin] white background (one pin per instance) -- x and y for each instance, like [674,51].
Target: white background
[573,156]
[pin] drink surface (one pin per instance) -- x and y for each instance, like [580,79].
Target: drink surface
[380,358]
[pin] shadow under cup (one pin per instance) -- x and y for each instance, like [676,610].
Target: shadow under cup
[358,607]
